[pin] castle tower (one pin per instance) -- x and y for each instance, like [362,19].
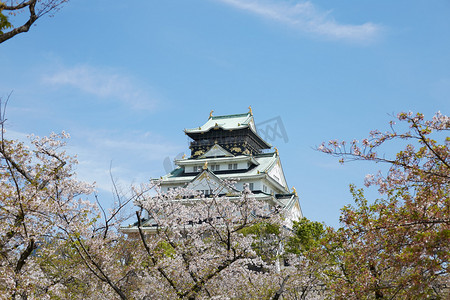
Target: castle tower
[229,148]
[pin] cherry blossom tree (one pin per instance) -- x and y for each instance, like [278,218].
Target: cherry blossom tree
[397,246]
[34,10]
[39,202]
[54,243]
[195,246]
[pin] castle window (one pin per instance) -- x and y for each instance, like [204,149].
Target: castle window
[251,186]
[232,166]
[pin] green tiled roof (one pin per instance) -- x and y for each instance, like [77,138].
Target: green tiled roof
[265,163]
[227,122]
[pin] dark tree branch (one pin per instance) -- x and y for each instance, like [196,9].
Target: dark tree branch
[25,254]
[25,27]
[281,289]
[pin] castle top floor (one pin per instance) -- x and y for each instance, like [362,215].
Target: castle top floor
[235,133]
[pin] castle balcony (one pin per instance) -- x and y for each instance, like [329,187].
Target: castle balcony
[220,141]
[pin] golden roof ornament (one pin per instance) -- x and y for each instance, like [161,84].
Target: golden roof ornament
[210,114]
[250,110]
[294,191]
[184,156]
[205,166]
[276,150]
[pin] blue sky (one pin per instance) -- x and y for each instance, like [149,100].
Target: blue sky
[125,80]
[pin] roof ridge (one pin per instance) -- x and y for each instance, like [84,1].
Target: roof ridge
[229,116]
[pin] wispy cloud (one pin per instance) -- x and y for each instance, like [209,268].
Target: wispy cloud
[103,83]
[305,17]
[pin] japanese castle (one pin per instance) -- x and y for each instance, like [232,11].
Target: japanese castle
[229,148]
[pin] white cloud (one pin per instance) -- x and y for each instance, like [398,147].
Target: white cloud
[305,17]
[103,83]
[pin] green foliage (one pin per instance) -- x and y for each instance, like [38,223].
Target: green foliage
[164,249]
[261,229]
[58,262]
[307,234]
[267,239]
[4,23]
